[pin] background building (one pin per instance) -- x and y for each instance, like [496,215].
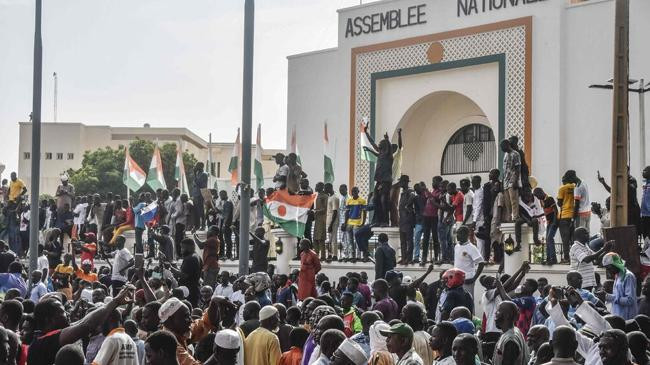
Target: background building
[64,144]
[459,75]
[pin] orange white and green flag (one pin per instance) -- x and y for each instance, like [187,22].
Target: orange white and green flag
[133,176]
[328,159]
[289,211]
[155,177]
[233,167]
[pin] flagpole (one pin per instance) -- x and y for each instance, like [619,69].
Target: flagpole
[247,121]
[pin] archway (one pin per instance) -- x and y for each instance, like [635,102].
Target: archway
[431,123]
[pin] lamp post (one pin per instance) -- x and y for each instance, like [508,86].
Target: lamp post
[36,138]
[246,128]
[640,89]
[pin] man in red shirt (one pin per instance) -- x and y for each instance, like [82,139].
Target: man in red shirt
[89,248]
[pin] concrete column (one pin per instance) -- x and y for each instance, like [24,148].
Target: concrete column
[513,262]
[289,243]
[393,238]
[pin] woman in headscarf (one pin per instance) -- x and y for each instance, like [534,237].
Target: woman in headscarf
[310,345]
[379,354]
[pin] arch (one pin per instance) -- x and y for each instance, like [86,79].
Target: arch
[471,149]
[430,123]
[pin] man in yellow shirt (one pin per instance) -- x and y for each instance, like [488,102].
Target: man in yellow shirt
[354,219]
[17,188]
[262,346]
[565,202]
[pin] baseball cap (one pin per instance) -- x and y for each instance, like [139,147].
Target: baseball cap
[401,329]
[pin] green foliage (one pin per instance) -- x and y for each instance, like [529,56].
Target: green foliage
[101,170]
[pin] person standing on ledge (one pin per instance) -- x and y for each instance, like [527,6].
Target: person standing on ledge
[320,216]
[406,221]
[525,171]
[384,172]
[511,180]
[200,182]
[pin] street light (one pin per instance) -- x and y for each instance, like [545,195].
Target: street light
[641,90]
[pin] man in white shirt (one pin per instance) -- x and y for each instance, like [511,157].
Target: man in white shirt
[123,261]
[467,258]
[80,214]
[477,219]
[224,288]
[582,204]
[43,265]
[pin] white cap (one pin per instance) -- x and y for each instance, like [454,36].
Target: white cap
[168,309]
[354,352]
[407,280]
[227,339]
[267,312]
[64,177]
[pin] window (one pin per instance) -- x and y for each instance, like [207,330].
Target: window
[59,155]
[471,149]
[27,155]
[70,156]
[48,155]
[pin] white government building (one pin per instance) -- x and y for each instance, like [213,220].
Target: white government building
[458,76]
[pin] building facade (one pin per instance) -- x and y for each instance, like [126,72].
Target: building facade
[64,144]
[457,76]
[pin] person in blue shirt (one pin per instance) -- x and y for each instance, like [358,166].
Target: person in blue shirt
[623,298]
[139,223]
[13,279]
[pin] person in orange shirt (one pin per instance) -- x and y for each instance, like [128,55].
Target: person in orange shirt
[84,273]
[298,337]
[89,248]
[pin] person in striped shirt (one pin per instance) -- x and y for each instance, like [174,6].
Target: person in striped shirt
[582,257]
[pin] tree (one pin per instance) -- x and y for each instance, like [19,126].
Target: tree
[102,169]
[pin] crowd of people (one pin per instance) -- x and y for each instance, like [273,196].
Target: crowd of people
[167,300]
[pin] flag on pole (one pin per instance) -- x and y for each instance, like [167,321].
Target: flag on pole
[259,173]
[289,211]
[294,146]
[328,174]
[133,176]
[233,168]
[365,142]
[179,171]
[155,177]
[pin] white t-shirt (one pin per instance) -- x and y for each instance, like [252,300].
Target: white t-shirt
[581,193]
[477,207]
[122,258]
[24,221]
[80,209]
[490,301]
[117,349]
[466,258]
[223,290]
[42,263]
[468,200]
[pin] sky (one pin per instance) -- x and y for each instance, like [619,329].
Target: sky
[163,62]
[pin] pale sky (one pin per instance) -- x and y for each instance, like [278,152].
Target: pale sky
[164,62]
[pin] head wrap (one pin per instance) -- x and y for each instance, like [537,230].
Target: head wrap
[377,340]
[464,325]
[259,280]
[168,309]
[227,339]
[353,351]
[318,313]
[612,258]
[267,312]
[454,277]
[64,177]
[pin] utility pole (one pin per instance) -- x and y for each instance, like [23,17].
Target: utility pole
[620,119]
[56,92]
[36,138]
[210,161]
[642,91]
[246,128]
